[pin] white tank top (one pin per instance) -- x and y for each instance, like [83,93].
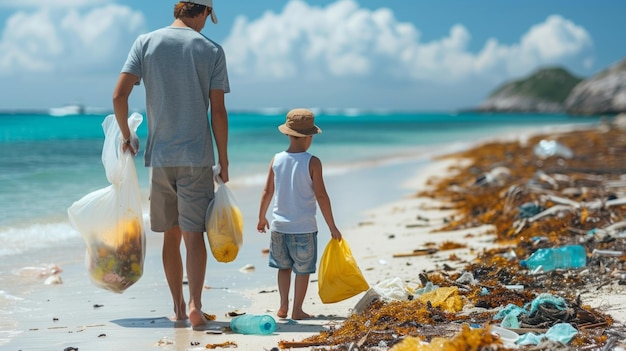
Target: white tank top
[294,199]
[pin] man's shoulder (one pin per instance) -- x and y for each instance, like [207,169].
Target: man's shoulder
[211,42]
[152,34]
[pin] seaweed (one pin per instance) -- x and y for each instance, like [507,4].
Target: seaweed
[532,202]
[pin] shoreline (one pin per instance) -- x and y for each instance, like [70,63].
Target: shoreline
[134,320]
[405,226]
[38,315]
[62,323]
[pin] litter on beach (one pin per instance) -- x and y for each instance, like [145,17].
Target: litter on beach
[568,192]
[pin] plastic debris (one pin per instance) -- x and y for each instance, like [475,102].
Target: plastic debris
[562,332]
[549,148]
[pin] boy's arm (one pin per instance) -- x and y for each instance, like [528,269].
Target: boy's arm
[315,168]
[266,198]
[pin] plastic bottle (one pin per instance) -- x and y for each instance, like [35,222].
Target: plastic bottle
[571,256]
[263,324]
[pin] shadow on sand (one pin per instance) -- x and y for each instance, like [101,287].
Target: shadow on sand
[283,325]
[150,322]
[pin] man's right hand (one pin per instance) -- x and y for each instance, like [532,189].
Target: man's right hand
[132,147]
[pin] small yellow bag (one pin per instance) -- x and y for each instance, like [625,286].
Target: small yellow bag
[224,223]
[339,276]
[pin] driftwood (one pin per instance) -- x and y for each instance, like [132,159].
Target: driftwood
[298,344]
[418,252]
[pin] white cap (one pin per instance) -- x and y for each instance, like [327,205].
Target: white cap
[207,3]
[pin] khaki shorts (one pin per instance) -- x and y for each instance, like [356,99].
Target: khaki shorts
[180,196]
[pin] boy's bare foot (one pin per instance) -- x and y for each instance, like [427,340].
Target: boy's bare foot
[282,312]
[301,315]
[196,318]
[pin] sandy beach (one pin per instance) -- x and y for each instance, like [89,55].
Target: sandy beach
[41,313]
[80,315]
[77,315]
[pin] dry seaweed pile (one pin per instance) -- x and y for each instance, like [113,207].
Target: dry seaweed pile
[549,191]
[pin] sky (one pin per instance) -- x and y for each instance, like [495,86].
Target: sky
[437,55]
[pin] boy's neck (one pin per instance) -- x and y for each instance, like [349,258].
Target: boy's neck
[298,145]
[295,149]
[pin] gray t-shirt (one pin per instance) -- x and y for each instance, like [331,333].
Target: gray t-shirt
[179,67]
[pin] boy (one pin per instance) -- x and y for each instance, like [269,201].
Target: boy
[295,182]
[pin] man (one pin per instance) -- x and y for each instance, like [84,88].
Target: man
[184,74]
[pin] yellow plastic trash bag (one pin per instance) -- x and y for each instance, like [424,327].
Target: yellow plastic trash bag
[339,276]
[224,223]
[110,219]
[447,298]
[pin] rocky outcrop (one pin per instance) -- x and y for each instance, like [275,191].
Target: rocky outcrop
[519,104]
[604,93]
[545,91]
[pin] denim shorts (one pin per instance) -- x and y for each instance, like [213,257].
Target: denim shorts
[295,251]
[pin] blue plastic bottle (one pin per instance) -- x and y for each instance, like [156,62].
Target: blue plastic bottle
[572,256]
[263,324]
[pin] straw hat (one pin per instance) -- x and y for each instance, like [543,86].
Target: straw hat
[300,123]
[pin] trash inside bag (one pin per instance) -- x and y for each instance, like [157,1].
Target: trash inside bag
[116,262]
[224,223]
[339,277]
[110,219]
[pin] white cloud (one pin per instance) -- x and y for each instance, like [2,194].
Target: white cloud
[551,42]
[346,54]
[343,41]
[555,38]
[29,41]
[54,40]
[49,3]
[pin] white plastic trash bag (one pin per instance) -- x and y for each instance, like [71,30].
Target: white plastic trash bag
[391,289]
[110,220]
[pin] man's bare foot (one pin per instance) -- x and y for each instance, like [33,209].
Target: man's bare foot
[178,319]
[301,315]
[196,318]
[180,324]
[282,312]
[180,312]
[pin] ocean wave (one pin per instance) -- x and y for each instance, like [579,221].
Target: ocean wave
[19,240]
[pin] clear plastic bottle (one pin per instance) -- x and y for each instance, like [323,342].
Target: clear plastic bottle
[571,256]
[263,324]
